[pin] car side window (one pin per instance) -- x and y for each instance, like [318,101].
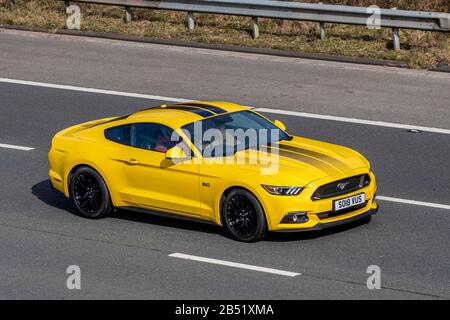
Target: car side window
[120,134]
[152,136]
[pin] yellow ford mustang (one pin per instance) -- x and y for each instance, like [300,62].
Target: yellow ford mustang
[213,161]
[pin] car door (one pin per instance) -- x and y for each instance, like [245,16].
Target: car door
[153,181]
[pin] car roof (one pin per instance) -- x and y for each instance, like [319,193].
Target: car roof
[180,114]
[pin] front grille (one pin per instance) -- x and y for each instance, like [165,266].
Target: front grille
[332,214]
[341,187]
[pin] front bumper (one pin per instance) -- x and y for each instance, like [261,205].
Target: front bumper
[319,212]
[323,226]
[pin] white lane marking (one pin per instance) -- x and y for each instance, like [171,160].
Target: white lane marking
[235,264]
[413,202]
[266,110]
[92,90]
[353,120]
[10,146]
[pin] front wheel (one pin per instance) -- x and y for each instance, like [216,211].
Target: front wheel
[90,194]
[243,216]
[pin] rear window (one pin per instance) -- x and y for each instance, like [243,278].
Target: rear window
[119,134]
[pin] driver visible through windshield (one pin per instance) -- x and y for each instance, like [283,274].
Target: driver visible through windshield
[229,133]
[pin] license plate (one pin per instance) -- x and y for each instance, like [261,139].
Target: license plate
[349,202]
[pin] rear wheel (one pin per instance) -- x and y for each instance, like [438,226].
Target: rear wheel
[90,194]
[243,216]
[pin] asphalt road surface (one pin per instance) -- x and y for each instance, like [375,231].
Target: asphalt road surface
[127,255]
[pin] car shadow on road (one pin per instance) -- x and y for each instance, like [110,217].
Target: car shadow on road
[46,194]
[155,218]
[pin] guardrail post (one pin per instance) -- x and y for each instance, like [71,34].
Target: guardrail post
[128,15]
[322,28]
[190,20]
[396,36]
[255,27]
[66,5]
[322,31]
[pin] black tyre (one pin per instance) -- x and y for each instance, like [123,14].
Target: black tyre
[243,216]
[90,194]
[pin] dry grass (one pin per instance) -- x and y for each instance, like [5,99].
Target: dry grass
[419,49]
[425,5]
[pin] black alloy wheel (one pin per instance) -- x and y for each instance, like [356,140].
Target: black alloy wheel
[90,194]
[243,216]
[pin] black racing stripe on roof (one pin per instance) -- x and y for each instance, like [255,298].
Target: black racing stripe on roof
[209,107]
[201,112]
[112,120]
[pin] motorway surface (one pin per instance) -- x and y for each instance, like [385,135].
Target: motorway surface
[127,256]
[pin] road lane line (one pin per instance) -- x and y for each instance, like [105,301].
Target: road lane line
[10,146]
[235,264]
[92,90]
[266,110]
[413,202]
[353,120]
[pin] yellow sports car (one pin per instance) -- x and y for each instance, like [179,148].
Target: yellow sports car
[212,161]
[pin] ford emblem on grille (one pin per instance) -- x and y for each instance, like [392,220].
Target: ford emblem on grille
[342,185]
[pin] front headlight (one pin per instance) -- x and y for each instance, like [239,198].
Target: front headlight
[282,191]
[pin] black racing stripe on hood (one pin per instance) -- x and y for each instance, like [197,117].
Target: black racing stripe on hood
[321,165]
[335,162]
[208,107]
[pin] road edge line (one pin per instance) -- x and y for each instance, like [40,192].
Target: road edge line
[234,264]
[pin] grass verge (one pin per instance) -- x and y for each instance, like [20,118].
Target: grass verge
[419,49]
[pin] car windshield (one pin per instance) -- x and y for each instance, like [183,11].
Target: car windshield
[226,134]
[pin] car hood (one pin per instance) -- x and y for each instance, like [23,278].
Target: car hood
[301,161]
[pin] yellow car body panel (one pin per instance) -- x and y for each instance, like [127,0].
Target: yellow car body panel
[195,188]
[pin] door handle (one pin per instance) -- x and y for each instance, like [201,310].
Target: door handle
[133,162]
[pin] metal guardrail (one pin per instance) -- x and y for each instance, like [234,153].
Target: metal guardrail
[322,13]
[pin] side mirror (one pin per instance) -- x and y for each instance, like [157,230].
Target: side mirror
[280,125]
[176,154]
